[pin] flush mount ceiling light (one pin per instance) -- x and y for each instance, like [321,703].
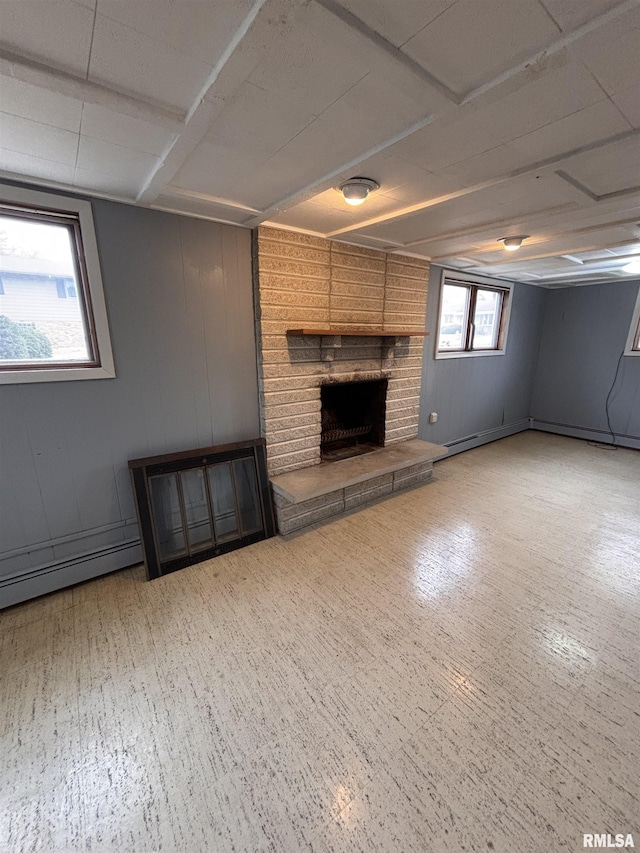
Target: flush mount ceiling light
[513,243]
[355,190]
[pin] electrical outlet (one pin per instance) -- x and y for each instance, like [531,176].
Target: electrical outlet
[433,417]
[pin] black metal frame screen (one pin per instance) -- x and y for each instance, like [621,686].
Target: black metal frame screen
[201,503]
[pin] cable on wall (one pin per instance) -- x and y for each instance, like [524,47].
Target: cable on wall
[606,405]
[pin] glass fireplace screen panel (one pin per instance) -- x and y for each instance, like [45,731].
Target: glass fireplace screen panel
[191,508]
[248,497]
[196,506]
[223,495]
[169,529]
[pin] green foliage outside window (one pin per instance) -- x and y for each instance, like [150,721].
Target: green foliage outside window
[20,341]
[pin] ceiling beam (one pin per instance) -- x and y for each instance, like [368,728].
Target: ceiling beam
[358,25]
[179,192]
[37,73]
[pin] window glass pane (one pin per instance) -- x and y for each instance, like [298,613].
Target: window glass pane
[41,310]
[196,508]
[248,497]
[224,506]
[453,317]
[167,520]
[486,319]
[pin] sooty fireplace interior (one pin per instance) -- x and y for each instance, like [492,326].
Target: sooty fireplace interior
[353,417]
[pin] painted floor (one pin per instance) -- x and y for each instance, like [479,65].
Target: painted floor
[454,668]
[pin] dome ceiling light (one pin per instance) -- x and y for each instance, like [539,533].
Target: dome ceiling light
[513,243]
[356,190]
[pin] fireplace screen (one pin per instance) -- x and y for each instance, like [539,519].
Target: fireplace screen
[201,503]
[353,418]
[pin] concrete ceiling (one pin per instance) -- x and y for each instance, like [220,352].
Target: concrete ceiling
[479,119]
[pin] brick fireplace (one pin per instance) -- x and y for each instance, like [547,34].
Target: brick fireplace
[303,283]
[307,281]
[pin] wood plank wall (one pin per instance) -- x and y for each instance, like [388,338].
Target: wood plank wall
[180,305]
[302,280]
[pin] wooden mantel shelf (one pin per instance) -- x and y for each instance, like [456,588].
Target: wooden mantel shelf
[369,333]
[331,339]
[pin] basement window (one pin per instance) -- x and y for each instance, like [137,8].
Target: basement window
[633,340]
[53,319]
[473,317]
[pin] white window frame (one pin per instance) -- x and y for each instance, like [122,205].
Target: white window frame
[634,330]
[457,277]
[105,369]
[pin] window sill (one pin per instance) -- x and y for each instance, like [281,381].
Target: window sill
[474,354]
[65,374]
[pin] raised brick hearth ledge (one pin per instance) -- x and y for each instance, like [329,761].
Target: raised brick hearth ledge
[312,494]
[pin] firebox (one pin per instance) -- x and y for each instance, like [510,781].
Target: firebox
[353,418]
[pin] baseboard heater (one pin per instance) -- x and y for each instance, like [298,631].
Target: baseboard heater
[461,440]
[585,429]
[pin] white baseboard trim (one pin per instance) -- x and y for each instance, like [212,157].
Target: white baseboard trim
[480,438]
[599,435]
[25,585]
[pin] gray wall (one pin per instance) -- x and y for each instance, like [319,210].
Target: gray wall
[179,298]
[585,330]
[481,399]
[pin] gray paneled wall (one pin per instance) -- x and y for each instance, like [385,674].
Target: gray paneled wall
[179,298]
[584,333]
[481,399]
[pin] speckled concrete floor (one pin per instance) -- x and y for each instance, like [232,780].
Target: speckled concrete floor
[455,668]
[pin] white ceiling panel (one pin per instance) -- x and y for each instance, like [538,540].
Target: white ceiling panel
[38,140]
[35,167]
[56,31]
[133,62]
[473,41]
[628,102]
[571,14]
[397,21]
[593,124]
[32,102]
[258,122]
[218,171]
[396,177]
[610,169]
[99,156]
[546,98]
[105,125]
[319,60]
[490,164]
[118,185]
[612,53]
[199,30]
[307,97]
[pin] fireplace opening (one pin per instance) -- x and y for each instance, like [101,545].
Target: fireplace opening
[353,417]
